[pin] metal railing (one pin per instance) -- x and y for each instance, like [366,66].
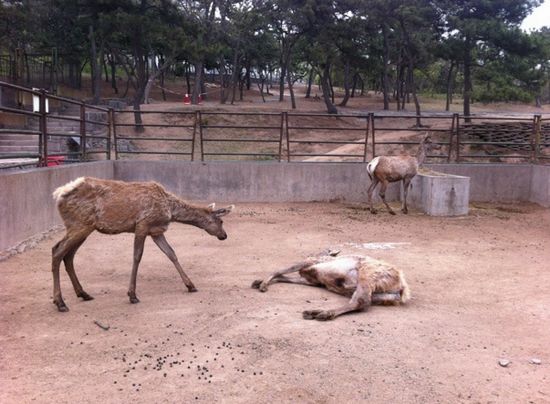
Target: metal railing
[38,105]
[282,136]
[134,134]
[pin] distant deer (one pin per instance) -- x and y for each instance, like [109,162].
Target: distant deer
[112,207]
[386,169]
[367,280]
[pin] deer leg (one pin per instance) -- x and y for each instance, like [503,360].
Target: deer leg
[360,300]
[406,185]
[139,241]
[297,281]
[161,242]
[59,251]
[262,285]
[69,267]
[370,190]
[382,194]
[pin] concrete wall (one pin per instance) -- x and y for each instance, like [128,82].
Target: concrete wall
[27,208]
[493,182]
[540,185]
[255,182]
[26,204]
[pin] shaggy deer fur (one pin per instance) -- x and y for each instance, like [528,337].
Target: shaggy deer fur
[112,207]
[367,280]
[386,169]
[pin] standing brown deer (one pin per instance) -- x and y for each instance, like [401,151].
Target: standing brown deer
[386,169]
[112,207]
[365,279]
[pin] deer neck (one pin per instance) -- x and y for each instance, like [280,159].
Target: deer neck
[421,154]
[183,212]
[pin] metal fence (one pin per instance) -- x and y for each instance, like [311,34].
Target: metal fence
[303,137]
[40,129]
[285,136]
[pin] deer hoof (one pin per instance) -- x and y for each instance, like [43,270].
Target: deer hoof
[84,296]
[325,315]
[256,284]
[192,289]
[392,212]
[61,306]
[263,287]
[134,299]
[311,314]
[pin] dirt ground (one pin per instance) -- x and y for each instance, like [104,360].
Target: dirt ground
[479,286]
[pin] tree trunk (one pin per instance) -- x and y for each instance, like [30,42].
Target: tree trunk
[386,57]
[113,73]
[152,79]
[188,79]
[235,76]
[325,77]
[346,85]
[197,83]
[413,91]
[282,83]
[354,85]
[247,76]
[330,87]
[96,75]
[449,99]
[309,83]
[291,88]
[467,79]
[282,80]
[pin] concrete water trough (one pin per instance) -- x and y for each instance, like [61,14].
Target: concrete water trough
[439,194]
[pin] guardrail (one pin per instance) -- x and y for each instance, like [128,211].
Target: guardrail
[36,128]
[283,136]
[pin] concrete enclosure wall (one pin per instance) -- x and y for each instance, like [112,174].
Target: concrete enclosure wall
[27,208]
[26,204]
[255,182]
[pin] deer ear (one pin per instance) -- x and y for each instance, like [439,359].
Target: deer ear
[224,211]
[212,206]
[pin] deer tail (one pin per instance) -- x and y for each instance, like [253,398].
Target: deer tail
[63,190]
[371,166]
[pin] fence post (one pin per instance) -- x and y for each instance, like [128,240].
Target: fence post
[457,138]
[199,116]
[109,132]
[115,139]
[43,143]
[371,118]
[196,118]
[285,118]
[366,139]
[82,132]
[535,141]
[281,134]
[454,123]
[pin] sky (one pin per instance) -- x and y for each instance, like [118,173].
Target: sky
[539,18]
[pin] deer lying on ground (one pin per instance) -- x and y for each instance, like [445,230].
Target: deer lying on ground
[367,280]
[112,207]
[386,169]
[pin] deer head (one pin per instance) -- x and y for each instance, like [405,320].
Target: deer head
[214,224]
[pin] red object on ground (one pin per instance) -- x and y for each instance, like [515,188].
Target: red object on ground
[55,160]
[187,99]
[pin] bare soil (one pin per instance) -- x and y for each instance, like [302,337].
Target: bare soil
[479,286]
